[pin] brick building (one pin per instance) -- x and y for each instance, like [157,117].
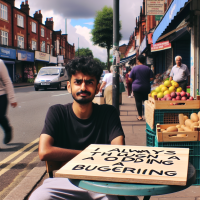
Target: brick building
[26,44]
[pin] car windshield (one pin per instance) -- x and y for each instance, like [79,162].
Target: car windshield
[49,71]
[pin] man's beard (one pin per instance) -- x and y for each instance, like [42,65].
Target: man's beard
[82,101]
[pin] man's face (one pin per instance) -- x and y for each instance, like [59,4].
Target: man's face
[83,87]
[178,61]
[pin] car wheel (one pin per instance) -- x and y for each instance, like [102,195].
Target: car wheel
[59,86]
[65,87]
[45,88]
[36,89]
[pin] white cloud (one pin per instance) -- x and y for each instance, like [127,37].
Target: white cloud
[89,23]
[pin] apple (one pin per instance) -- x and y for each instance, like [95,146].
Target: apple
[173,95]
[163,99]
[191,98]
[173,99]
[171,104]
[159,99]
[167,95]
[169,98]
[178,94]
[184,98]
[178,98]
[183,93]
[188,95]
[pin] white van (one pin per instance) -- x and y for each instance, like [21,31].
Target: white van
[51,77]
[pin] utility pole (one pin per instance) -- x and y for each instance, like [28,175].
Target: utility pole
[116,60]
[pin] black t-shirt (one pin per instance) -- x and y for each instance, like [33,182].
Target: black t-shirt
[70,132]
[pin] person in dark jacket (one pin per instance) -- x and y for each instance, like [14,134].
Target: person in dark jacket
[140,77]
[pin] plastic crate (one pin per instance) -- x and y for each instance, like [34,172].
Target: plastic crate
[150,139]
[170,116]
[194,156]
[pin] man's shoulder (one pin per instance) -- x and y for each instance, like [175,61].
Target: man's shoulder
[60,107]
[105,107]
[184,65]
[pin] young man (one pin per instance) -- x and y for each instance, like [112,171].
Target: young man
[72,127]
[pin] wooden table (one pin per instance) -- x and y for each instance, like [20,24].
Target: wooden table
[130,189]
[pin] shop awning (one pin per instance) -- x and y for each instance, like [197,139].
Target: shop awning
[125,60]
[172,18]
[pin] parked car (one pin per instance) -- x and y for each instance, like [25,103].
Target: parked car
[51,77]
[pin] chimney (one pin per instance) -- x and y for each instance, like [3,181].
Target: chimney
[49,23]
[38,16]
[12,2]
[25,7]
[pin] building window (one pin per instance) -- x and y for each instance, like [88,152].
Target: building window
[52,51]
[20,42]
[4,38]
[33,27]
[42,32]
[43,46]
[50,35]
[20,21]
[4,12]
[34,44]
[48,48]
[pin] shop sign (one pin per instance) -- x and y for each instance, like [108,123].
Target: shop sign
[7,53]
[129,164]
[60,59]
[160,46]
[25,56]
[158,17]
[42,56]
[143,45]
[53,59]
[155,7]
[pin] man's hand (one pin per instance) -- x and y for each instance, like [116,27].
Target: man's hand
[14,104]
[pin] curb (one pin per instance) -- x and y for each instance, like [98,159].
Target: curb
[16,86]
[26,186]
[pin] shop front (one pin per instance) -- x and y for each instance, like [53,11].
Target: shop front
[41,59]
[9,56]
[25,68]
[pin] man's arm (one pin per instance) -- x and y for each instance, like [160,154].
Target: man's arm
[102,86]
[130,80]
[48,152]
[118,140]
[170,78]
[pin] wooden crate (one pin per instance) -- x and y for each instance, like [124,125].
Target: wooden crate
[149,114]
[176,136]
[99,100]
[194,104]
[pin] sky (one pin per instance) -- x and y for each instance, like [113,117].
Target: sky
[80,15]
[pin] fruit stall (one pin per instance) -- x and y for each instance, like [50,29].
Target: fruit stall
[173,120]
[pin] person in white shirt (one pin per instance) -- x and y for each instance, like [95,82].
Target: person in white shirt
[6,94]
[180,73]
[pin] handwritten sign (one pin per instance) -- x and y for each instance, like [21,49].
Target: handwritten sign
[129,164]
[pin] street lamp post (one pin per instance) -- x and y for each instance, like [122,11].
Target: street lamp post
[116,61]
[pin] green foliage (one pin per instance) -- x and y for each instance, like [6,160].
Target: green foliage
[83,52]
[104,66]
[102,33]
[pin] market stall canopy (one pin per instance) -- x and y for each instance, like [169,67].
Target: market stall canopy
[125,60]
[172,18]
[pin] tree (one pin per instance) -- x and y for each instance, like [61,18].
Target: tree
[104,66]
[102,33]
[83,52]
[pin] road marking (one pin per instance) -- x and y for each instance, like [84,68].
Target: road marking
[18,152]
[60,95]
[4,170]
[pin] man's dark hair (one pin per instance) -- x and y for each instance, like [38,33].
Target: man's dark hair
[141,59]
[86,65]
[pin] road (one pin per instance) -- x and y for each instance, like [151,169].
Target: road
[20,156]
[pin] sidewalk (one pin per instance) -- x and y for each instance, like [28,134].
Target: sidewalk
[135,135]
[22,84]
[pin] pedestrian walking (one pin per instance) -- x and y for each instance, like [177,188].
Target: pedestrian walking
[6,95]
[128,83]
[70,128]
[180,73]
[140,77]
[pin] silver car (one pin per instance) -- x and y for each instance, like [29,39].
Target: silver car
[51,77]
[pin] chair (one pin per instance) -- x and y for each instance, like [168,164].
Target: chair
[51,166]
